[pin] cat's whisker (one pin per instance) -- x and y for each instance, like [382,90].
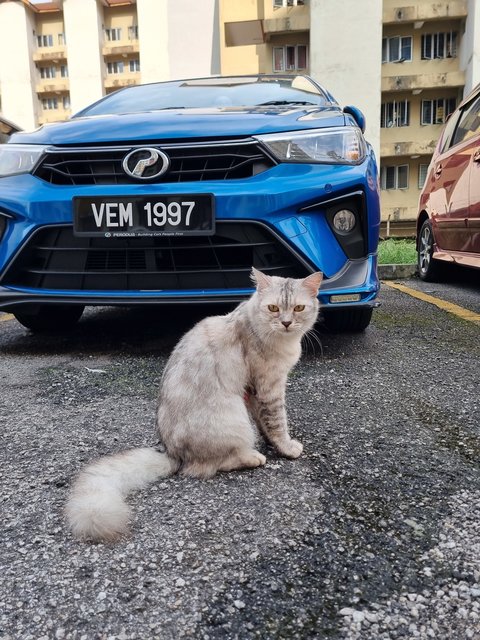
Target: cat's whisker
[317,339]
[308,343]
[313,338]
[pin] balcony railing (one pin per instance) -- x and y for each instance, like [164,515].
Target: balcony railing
[53,115]
[47,54]
[120,47]
[121,80]
[53,86]
[408,148]
[423,81]
[297,22]
[395,11]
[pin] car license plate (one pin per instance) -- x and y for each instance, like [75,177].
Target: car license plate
[135,216]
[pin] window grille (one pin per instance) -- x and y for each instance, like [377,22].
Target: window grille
[394,177]
[395,114]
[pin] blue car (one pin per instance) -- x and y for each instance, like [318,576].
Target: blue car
[170,192]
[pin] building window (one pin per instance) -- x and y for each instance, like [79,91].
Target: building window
[45,41]
[397,49]
[287,3]
[66,102]
[278,62]
[290,57]
[439,45]
[61,39]
[395,114]
[133,32]
[422,174]
[302,56]
[47,72]
[115,67]
[134,65]
[49,103]
[113,34]
[437,111]
[64,71]
[394,177]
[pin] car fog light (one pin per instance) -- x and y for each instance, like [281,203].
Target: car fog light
[345,297]
[344,221]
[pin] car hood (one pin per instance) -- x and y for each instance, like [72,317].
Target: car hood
[182,123]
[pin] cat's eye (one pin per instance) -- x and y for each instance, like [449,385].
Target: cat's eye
[299,307]
[273,308]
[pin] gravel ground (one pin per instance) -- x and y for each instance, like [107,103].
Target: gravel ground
[373,533]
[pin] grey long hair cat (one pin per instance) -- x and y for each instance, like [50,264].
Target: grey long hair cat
[225,376]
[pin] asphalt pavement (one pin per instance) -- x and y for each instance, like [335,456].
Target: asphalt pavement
[374,533]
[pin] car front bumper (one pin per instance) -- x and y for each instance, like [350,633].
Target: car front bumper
[286,207]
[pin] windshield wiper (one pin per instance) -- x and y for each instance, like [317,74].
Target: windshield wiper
[279,103]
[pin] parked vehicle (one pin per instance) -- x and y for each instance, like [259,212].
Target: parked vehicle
[171,192]
[448,224]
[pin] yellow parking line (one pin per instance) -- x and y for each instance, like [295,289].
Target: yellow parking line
[6,316]
[460,312]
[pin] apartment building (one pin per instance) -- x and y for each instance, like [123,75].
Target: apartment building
[406,64]
[424,77]
[58,56]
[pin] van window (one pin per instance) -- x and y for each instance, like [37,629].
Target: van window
[469,123]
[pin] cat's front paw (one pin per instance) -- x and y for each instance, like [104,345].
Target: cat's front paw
[258,459]
[291,449]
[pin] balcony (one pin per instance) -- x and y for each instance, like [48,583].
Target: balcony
[120,48]
[117,81]
[55,115]
[53,86]
[419,81]
[398,12]
[410,148]
[288,24]
[50,54]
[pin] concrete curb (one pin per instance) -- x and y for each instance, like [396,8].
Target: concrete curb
[396,271]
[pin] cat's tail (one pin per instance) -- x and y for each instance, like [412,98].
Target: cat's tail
[96,509]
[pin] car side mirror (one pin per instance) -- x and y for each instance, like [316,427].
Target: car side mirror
[357,116]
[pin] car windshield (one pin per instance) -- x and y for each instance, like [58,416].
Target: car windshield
[238,91]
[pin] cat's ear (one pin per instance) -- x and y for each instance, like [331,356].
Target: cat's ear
[260,280]
[312,283]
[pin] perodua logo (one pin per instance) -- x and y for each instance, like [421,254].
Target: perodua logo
[145,163]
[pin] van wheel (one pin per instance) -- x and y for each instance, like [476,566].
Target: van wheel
[52,318]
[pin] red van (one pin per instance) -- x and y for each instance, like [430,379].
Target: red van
[448,224]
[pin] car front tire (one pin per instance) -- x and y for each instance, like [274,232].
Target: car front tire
[429,269]
[50,318]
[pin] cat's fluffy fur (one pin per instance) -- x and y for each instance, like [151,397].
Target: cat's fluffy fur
[226,375]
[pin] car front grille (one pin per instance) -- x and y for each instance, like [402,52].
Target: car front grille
[54,258]
[188,163]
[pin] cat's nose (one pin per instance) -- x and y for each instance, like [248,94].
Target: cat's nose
[286,323]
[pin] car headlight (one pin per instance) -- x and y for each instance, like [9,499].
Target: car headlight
[339,145]
[18,158]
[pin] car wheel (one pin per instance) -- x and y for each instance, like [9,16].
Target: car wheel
[347,320]
[428,268]
[50,318]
